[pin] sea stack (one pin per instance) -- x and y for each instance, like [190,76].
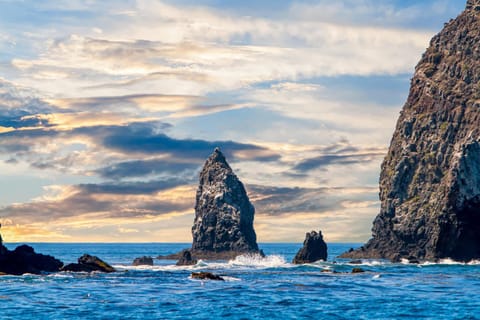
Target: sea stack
[223,225]
[430,178]
[314,249]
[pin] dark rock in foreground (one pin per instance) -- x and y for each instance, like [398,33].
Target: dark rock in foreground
[314,249]
[88,263]
[143,261]
[24,260]
[186,259]
[430,178]
[206,276]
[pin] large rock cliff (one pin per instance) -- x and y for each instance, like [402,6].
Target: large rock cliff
[430,178]
[223,225]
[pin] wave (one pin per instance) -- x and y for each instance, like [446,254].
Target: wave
[257,261]
[451,262]
[248,261]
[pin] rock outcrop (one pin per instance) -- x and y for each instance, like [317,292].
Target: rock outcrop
[206,276]
[314,249]
[88,263]
[430,178]
[24,260]
[223,225]
[143,261]
[186,259]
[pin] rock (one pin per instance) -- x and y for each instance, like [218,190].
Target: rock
[430,178]
[206,276]
[3,249]
[223,224]
[88,263]
[314,249]
[358,270]
[173,256]
[143,261]
[355,262]
[413,260]
[24,260]
[186,259]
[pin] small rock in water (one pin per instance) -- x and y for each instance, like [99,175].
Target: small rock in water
[206,276]
[314,249]
[143,261]
[355,262]
[88,263]
[358,270]
[186,259]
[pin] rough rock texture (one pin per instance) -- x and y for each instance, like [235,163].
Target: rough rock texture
[186,259]
[88,263]
[223,225]
[430,179]
[314,249]
[24,260]
[143,261]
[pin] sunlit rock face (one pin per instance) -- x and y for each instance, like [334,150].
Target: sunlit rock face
[430,178]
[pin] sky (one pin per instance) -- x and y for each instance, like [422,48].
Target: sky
[108,110]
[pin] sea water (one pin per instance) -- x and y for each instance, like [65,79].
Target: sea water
[255,288]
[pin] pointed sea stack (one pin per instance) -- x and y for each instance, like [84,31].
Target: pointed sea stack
[430,178]
[314,249]
[223,225]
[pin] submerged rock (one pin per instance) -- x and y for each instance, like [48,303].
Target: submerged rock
[430,178]
[358,270]
[314,249]
[206,276]
[143,261]
[88,263]
[24,259]
[223,225]
[186,259]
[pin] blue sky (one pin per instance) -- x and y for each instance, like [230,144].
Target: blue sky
[108,110]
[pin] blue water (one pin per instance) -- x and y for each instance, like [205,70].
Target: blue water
[269,288]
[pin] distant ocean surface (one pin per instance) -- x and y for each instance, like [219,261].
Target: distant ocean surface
[269,288]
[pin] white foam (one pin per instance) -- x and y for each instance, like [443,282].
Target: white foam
[372,263]
[451,262]
[240,262]
[230,279]
[257,261]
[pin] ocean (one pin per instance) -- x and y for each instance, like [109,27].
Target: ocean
[255,288]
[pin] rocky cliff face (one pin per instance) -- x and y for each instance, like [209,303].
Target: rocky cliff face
[223,213]
[430,179]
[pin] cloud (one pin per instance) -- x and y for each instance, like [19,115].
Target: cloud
[214,50]
[89,202]
[140,138]
[140,168]
[340,154]
[279,201]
